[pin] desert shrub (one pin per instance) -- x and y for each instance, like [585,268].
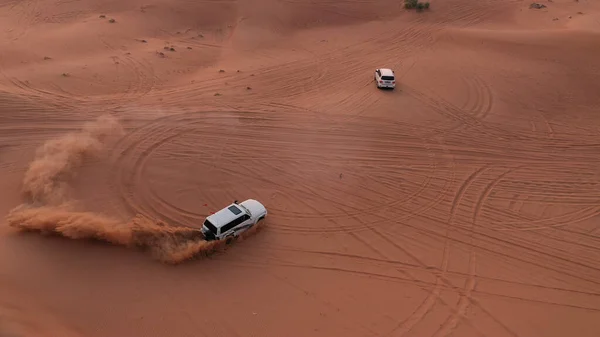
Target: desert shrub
[415,4]
[410,4]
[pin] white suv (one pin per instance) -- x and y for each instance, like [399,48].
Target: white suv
[385,78]
[233,220]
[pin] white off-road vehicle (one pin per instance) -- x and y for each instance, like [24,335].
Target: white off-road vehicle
[385,78]
[233,220]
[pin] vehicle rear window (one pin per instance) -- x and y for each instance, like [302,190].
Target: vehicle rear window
[210,226]
[234,210]
[387,78]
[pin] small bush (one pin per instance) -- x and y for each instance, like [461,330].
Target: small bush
[410,4]
[415,4]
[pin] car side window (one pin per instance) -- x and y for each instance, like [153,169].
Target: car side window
[234,223]
[229,226]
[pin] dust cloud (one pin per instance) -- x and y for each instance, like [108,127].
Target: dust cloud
[57,160]
[49,211]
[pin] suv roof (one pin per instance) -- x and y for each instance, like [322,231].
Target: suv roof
[386,72]
[224,216]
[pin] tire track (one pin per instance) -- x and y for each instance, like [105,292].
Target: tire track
[144,78]
[370,331]
[465,298]
[457,116]
[51,98]
[484,98]
[425,307]
[387,264]
[27,13]
[563,190]
[418,315]
[409,281]
[156,139]
[306,75]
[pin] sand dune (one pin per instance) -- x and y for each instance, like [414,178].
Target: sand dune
[464,203]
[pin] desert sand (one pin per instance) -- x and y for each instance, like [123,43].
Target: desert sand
[466,202]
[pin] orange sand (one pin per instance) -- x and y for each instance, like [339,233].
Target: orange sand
[464,203]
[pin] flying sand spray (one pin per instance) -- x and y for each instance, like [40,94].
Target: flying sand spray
[48,210]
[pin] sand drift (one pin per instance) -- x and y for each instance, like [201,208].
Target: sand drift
[47,208]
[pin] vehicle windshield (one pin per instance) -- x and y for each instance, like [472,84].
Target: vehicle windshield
[245,209]
[387,78]
[210,226]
